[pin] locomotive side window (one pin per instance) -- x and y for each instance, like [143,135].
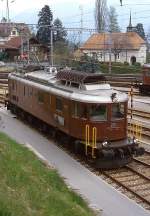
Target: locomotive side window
[79,111]
[13,85]
[24,90]
[98,113]
[59,104]
[30,91]
[148,73]
[40,97]
[118,111]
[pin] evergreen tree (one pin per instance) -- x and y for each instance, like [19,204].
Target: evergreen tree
[148,35]
[44,25]
[59,38]
[113,22]
[140,30]
[59,32]
[88,64]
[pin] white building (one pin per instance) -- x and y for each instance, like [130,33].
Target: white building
[121,47]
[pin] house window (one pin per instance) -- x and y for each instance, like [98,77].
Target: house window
[94,55]
[100,55]
[118,56]
[32,49]
[59,104]
[13,32]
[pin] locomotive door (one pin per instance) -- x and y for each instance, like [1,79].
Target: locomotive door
[61,114]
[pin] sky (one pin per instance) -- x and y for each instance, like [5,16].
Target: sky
[69,11]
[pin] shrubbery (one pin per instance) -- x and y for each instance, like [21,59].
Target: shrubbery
[137,64]
[126,63]
[117,67]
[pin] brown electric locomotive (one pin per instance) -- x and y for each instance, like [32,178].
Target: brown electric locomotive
[81,107]
[144,88]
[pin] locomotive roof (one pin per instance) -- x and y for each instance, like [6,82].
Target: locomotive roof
[88,92]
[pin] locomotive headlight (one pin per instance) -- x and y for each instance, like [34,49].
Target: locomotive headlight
[105,144]
[135,140]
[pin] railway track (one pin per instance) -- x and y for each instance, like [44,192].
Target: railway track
[135,178]
[124,80]
[139,113]
[140,118]
[132,180]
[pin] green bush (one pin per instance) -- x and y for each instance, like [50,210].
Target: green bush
[117,64]
[137,64]
[116,69]
[126,63]
[104,67]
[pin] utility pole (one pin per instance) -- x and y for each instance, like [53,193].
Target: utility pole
[81,24]
[21,45]
[110,43]
[51,48]
[28,49]
[7,9]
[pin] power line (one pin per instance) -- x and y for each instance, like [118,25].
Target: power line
[78,15]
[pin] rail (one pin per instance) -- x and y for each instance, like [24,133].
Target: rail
[132,180]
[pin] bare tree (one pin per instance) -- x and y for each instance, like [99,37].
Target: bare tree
[116,49]
[101,15]
[148,34]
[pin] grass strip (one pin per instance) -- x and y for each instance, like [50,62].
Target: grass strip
[29,188]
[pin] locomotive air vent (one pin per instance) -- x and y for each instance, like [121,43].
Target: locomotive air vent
[80,77]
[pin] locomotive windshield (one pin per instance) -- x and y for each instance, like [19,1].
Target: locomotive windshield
[98,113]
[118,111]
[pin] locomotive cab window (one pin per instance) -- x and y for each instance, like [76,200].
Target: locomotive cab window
[59,104]
[98,112]
[118,111]
[79,110]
